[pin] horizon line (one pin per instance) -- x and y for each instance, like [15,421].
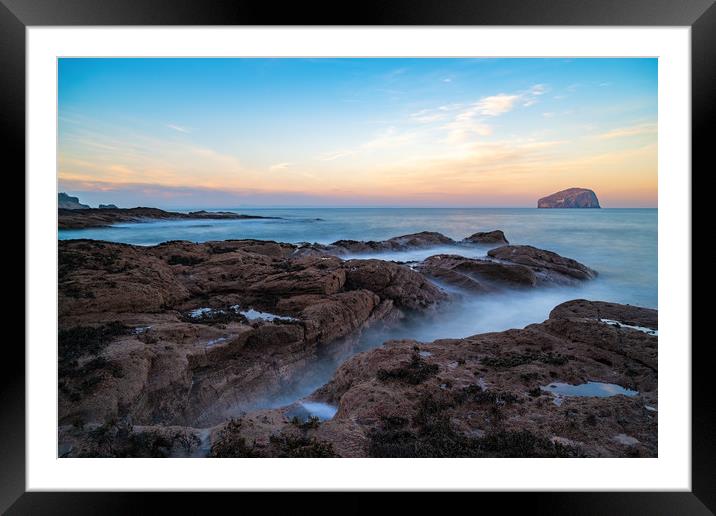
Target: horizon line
[382,207]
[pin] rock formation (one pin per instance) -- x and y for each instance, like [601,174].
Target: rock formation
[67,202]
[506,266]
[422,240]
[107,207]
[570,198]
[549,267]
[474,274]
[487,237]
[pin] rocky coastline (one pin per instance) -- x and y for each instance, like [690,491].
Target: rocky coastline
[165,350]
[82,218]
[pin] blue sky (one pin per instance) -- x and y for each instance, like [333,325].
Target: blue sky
[354,132]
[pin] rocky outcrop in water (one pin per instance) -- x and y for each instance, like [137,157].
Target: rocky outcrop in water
[487,237]
[67,202]
[422,240]
[570,198]
[106,216]
[476,274]
[108,207]
[549,267]
[505,267]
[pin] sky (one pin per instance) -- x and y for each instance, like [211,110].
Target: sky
[231,133]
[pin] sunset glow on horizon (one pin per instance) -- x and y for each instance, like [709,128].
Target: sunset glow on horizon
[225,133]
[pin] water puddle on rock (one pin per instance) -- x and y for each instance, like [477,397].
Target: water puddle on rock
[589,389]
[642,329]
[214,342]
[250,314]
[304,410]
[200,312]
[255,315]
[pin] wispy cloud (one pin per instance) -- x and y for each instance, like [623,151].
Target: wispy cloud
[178,128]
[473,119]
[426,116]
[530,97]
[495,105]
[634,130]
[279,166]
[387,139]
[466,125]
[330,156]
[430,115]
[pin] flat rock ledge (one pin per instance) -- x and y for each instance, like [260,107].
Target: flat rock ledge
[421,240]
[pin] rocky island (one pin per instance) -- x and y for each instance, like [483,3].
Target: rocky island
[71,214]
[570,198]
[168,350]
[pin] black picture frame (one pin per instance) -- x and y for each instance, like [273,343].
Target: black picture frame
[16,15]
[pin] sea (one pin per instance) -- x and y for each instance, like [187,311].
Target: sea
[620,244]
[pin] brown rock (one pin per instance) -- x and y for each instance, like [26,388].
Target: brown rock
[626,314]
[406,288]
[453,278]
[485,273]
[424,239]
[487,237]
[261,315]
[549,266]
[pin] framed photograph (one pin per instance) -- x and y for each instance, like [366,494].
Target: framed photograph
[427,248]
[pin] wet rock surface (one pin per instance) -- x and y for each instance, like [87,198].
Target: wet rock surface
[487,237]
[422,240]
[547,265]
[479,275]
[505,266]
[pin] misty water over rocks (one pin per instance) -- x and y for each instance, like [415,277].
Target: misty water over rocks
[621,244]
[466,315]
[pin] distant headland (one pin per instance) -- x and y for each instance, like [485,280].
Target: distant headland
[71,214]
[570,198]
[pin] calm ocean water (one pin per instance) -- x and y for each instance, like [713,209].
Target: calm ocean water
[621,244]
